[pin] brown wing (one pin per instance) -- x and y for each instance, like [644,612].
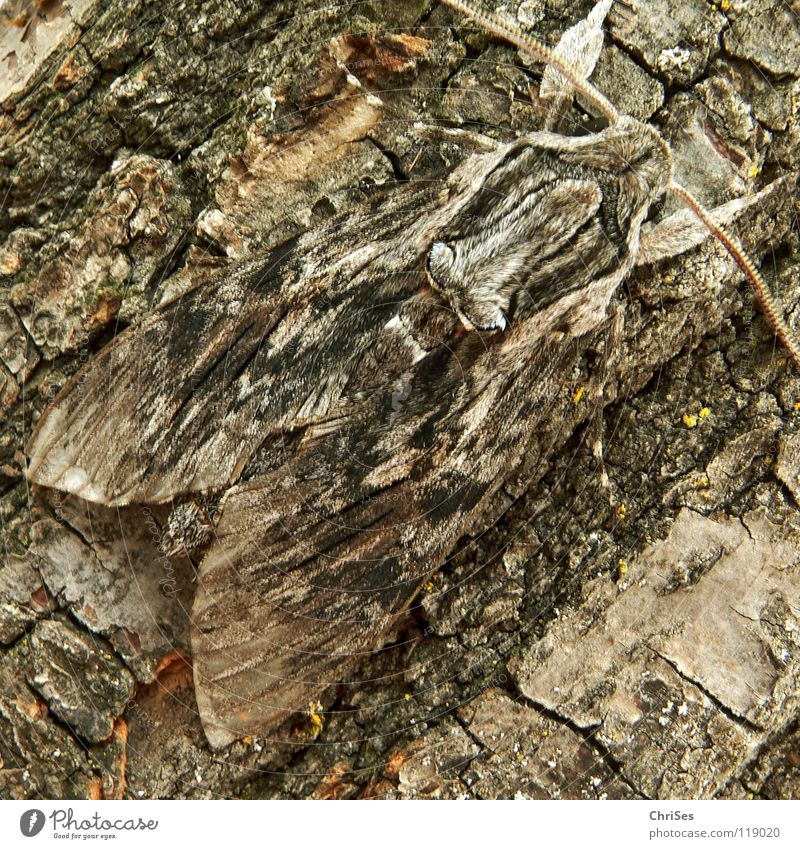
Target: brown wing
[313,562]
[179,402]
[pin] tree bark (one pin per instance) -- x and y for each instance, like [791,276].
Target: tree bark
[564,650]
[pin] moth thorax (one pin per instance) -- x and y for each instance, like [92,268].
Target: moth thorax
[643,160]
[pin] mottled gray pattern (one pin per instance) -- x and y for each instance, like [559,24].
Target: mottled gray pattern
[340,379]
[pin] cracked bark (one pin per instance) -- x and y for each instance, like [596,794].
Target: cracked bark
[560,651]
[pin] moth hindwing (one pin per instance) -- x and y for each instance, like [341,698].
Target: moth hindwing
[356,409]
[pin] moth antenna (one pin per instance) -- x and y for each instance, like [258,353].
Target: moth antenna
[510,32]
[769,306]
[505,29]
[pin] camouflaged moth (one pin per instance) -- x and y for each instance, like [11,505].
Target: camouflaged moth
[352,400]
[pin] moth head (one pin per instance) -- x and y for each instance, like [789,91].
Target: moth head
[632,158]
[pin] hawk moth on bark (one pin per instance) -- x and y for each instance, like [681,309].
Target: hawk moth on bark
[355,408]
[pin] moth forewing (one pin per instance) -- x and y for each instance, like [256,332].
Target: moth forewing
[311,566]
[189,393]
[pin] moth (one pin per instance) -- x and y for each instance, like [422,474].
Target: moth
[330,417]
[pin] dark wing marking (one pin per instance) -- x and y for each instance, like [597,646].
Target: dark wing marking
[127,412]
[179,402]
[312,563]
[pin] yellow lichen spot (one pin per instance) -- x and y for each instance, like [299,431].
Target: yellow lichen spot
[407,697]
[428,586]
[704,413]
[690,420]
[768,460]
[623,567]
[725,5]
[701,482]
[577,395]
[752,171]
[315,720]
[246,740]
[796,406]
[620,510]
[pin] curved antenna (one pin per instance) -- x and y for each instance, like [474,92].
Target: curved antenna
[510,32]
[769,306]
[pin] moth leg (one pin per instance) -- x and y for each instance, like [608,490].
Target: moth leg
[611,347]
[190,526]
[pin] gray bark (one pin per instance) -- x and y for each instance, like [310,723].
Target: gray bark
[563,651]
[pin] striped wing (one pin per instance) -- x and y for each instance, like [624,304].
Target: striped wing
[312,563]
